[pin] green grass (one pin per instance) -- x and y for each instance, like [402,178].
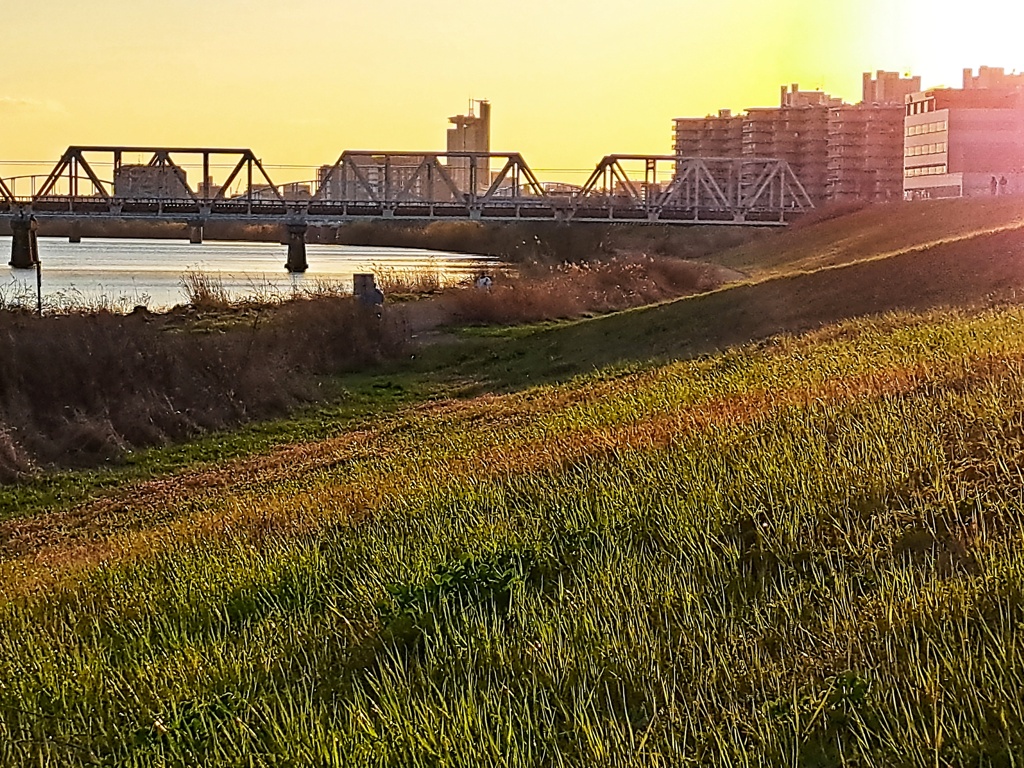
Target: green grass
[344,403]
[802,552]
[876,231]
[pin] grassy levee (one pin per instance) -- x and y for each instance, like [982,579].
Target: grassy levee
[798,553]
[984,270]
[777,524]
[876,231]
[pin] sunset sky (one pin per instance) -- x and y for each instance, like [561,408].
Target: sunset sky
[569,80]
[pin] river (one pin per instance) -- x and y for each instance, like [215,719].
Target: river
[121,274]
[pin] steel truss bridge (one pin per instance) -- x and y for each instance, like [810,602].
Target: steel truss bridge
[95,183]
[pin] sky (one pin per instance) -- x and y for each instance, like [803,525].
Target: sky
[569,80]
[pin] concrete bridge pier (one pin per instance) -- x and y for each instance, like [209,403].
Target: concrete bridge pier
[195,232]
[296,240]
[75,235]
[24,244]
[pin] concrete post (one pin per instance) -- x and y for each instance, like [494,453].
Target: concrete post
[365,289]
[362,285]
[24,245]
[195,232]
[297,248]
[75,236]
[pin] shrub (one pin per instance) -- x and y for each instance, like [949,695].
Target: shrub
[570,290]
[82,388]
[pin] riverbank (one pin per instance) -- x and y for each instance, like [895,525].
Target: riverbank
[517,243]
[121,274]
[86,388]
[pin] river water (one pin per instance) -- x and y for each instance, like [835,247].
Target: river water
[120,274]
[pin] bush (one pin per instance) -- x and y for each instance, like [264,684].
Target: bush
[82,388]
[570,290]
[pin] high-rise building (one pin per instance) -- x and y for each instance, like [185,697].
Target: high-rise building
[380,178]
[712,136]
[888,87]
[794,97]
[471,133]
[966,142]
[989,78]
[838,151]
[865,148]
[797,132]
[865,141]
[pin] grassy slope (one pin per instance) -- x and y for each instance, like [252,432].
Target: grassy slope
[980,271]
[798,552]
[874,232]
[970,268]
[780,554]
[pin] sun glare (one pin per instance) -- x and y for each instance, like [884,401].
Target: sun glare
[986,33]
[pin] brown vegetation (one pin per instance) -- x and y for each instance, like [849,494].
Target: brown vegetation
[570,290]
[84,387]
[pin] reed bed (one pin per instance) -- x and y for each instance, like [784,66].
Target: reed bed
[87,387]
[571,290]
[415,281]
[802,553]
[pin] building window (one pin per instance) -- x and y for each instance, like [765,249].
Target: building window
[926,149]
[925,170]
[925,128]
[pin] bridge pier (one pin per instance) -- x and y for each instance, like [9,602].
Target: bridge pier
[195,232]
[296,248]
[24,243]
[75,236]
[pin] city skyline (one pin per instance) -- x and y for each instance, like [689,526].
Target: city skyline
[570,81]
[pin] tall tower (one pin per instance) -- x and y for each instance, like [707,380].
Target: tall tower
[471,133]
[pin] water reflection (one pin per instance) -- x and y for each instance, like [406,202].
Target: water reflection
[123,273]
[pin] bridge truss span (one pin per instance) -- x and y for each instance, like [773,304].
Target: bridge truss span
[103,182]
[671,189]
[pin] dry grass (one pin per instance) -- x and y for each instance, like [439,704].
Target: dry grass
[81,388]
[205,291]
[416,281]
[571,290]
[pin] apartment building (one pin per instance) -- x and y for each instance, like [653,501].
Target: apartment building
[364,178]
[151,181]
[966,142]
[839,151]
[796,131]
[718,135]
[865,141]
